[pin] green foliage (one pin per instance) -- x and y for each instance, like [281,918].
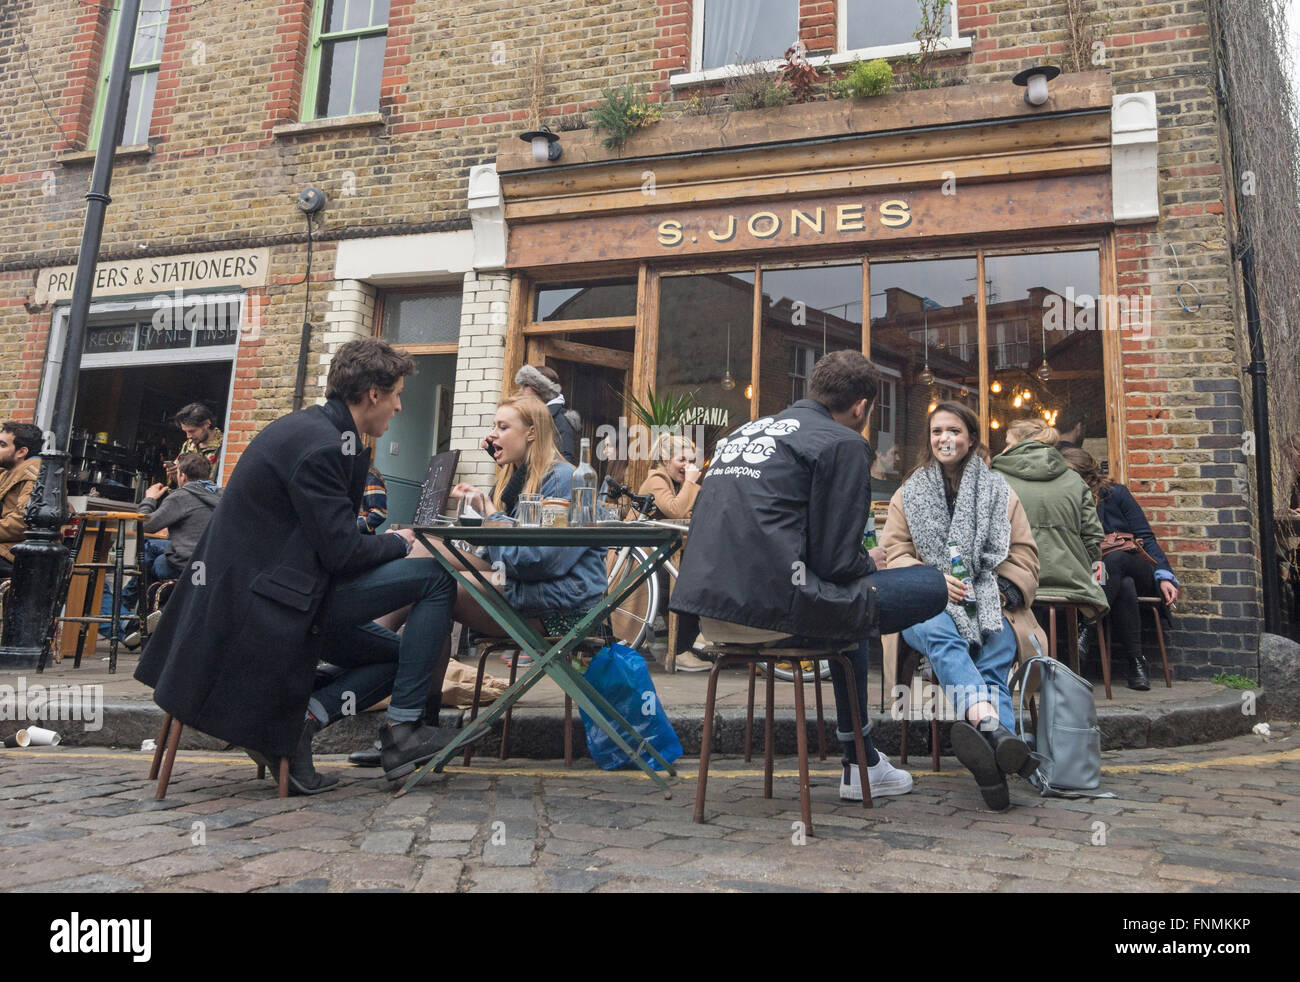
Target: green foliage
[754,87]
[667,410]
[621,112]
[934,25]
[865,79]
[1234,681]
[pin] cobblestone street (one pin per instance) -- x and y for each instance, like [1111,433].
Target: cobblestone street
[1217,817]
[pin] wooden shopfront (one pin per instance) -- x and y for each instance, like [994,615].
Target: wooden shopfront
[961,238]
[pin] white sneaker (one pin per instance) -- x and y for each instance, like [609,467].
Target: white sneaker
[885,778]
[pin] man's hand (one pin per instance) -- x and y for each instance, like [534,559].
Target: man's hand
[956,589]
[879,557]
[155,491]
[1170,592]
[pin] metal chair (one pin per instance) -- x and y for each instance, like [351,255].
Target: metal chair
[749,712]
[746,654]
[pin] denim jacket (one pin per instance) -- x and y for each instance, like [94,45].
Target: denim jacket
[552,579]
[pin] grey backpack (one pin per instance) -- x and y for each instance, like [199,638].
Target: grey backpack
[1068,740]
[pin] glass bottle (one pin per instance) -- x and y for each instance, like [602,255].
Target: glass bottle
[962,572]
[582,496]
[869,533]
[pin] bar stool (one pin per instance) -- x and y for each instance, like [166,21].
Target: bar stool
[93,570]
[1153,604]
[1072,609]
[751,655]
[164,756]
[749,712]
[908,660]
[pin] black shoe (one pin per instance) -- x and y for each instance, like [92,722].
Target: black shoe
[303,776]
[1137,674]
[1011,752]
[407,746]
[368,757]
[977,756]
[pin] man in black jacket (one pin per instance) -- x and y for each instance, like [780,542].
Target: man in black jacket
[544,383]
[776,545]
[283,578]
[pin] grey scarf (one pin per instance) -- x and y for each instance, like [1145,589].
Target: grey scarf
[978,525]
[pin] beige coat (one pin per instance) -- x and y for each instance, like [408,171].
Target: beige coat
[1020,567]
[671,504]
[15,488]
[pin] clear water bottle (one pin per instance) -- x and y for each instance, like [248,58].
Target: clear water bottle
[962,572]
[582,497]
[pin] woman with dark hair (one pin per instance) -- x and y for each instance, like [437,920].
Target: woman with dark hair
[1129,574]
[953,505]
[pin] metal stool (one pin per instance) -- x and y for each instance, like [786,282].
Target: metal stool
[1072,609]
[164,756]
[749,712]
[752,655]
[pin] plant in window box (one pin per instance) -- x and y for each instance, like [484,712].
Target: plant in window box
[864,80]
[934,25]
[799,75]
[753,86]
[621,112]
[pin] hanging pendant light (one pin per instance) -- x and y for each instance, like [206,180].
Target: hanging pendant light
[728,383]
[926,377]
[996,387]
[1044,372]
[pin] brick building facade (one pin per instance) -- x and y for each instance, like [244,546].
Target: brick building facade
[429,209]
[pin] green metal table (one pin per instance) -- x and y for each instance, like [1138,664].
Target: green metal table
[661,541]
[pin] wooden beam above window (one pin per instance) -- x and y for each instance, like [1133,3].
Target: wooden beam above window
[578,326]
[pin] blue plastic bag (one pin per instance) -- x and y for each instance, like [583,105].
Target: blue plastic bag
[620,675]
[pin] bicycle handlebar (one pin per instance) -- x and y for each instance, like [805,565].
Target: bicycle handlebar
[644,503]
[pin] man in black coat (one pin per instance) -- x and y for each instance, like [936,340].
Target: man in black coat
[544,383]
[282,578]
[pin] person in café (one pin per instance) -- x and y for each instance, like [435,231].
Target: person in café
[674,482]
[776,548]
[283,579]
[1072,429]
[884,472]
[543,383]
[952,496]
[20,444]
[201,437]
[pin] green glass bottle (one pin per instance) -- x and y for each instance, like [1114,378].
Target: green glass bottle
[869,533]
[962,572]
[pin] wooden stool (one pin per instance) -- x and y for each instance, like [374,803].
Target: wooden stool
[1153,604]
[752,655]
[908,657]
[749,712]
[164,756]
[1072,609]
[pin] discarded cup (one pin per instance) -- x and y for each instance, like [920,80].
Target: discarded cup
[19,739]
[43,738]
[148,745]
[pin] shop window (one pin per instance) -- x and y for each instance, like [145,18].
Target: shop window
[346,58]
[424,318]
[924,338]
[146,60]
[806,313]
[196,323]
[732,32]
[1045,345]
[706,326]
[865,25]
[586,301]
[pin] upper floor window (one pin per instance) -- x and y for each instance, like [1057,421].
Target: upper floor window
[346,59]
[730,32]
[146,59]
[865,25]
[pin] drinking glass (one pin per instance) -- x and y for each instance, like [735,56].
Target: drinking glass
[471,510]
[530,510]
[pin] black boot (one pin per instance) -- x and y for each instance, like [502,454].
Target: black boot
[303,776]
[1137,674]
[973,750]
[1011,752]
[368,757]
[407,746]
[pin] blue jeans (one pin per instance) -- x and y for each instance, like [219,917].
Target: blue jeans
[969,673]
[377,660]
[159,569]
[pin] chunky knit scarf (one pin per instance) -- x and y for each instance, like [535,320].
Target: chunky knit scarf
[978,525]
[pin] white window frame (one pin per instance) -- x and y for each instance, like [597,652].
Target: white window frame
[841,56]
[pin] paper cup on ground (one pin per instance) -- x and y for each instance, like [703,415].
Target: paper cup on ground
[19,739]
[42,738]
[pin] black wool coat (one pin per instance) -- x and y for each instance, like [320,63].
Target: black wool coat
[235,652]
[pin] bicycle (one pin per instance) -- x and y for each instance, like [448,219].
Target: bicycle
[633,620]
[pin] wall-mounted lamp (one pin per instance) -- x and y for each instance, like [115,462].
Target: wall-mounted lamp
[546,145]
[1035,81]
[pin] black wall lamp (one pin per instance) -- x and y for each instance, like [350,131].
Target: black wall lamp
[1034,80]
[546,145]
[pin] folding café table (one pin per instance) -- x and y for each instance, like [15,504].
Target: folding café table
[661,542]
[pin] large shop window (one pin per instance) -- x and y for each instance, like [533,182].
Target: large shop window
[925,341]
[346,58]
[1045,346]
[737,31]
[146,61]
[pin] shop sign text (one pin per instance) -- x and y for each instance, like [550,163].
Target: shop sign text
[798,224]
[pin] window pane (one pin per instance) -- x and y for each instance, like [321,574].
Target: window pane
[370,71]
[338,62]
[806,313]
[744,30]
[581,301]
[698,317]
[422,318]
[102,338]
[220,325]
[139,109]
[352,15]
[877,22]
[1047,302]
[150,28]
[921,313]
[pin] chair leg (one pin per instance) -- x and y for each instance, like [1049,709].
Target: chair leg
[769,730]
[706,739]
[161,746]
[568,730]
[1103,643]
[169,758]
[749,714]
[478,691]
[505,723]
[934,745]
[1072,655]
[1160,638]
[821,717]
[284,778]
[801,743]
[859,744]
[1051,632]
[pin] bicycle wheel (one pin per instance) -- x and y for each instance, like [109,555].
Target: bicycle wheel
[633,619]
